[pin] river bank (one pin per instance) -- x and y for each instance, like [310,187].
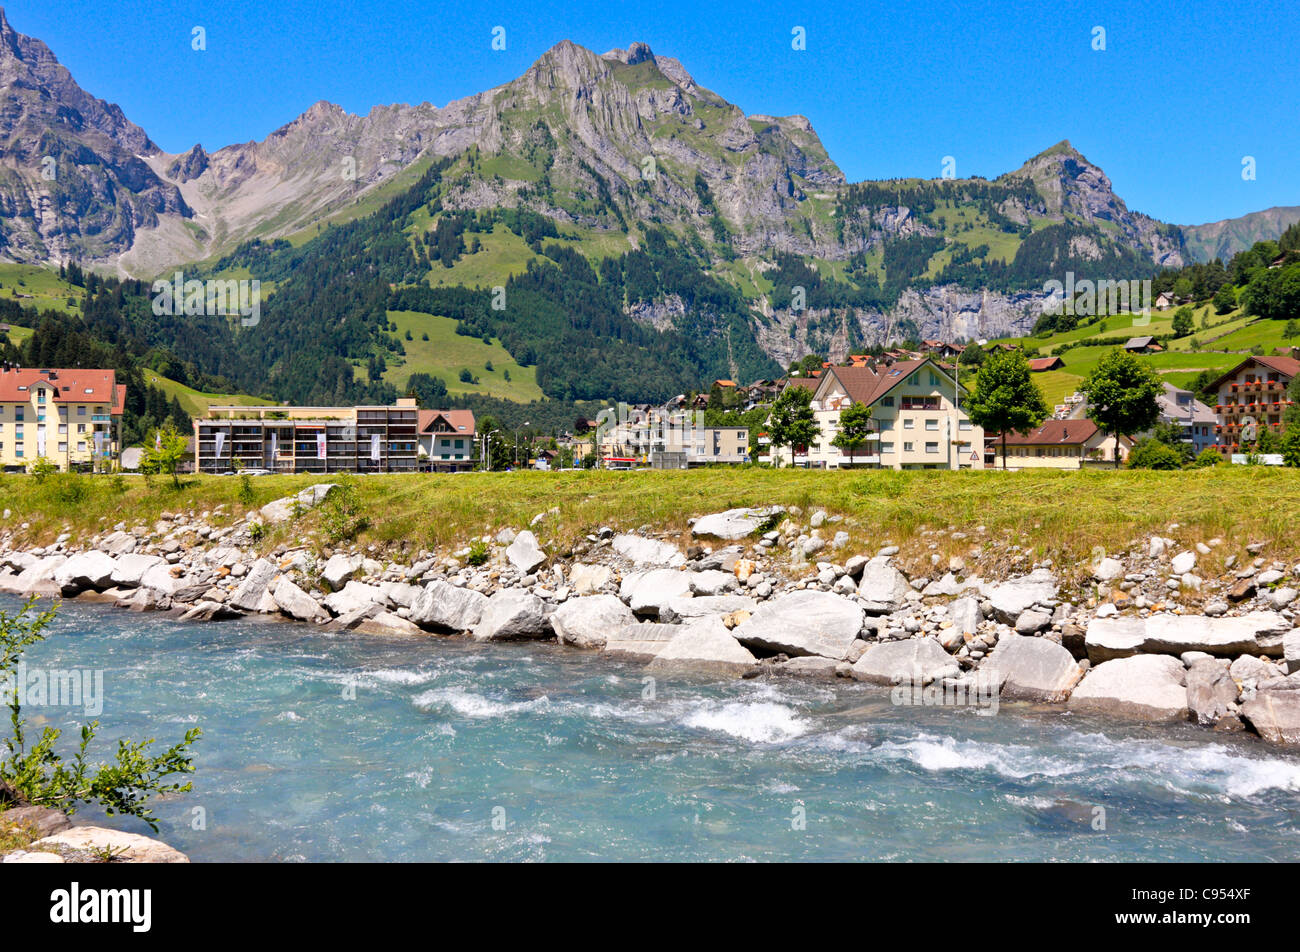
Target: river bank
[1153,631]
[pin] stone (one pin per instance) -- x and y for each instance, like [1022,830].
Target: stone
[1242,590]
[910,660]
[296,603]
[588,579]
[586,622]
[209,611]
[447,607]
[944,587]
[117,543]
[512,614]
[642,551]
[387,623]
[651,592]
[1182,563]
[965,615]
[1030,621]
[338,569]
[91,569]
[282,510]
[712,582]
[803,623]
[1033,669]
[1144,687]
[1010,598]
[129,569]
[1291,651]
[354,595]
[1250,668]
[1254,633]
[126,847]
[735,523]
[1280,598]
[506,536]
[1274,711]
[254,585]
[640,642]
[37,821]
[525,554]
[882,588]
[704,646]
[1211,692]
[808,666]
[698,606]
[1108,570]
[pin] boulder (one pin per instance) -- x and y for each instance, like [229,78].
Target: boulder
[1031,621]
[296,603]
[712,582]
[588,579]
[1211,692]
[1182,563]
[1291,650]
[1108,570]
[90,569]
[1032,669]
[281,510]
[126,847]
[699,606]
[882,588]
[255,584]
[643,551]
[1119,637]
[354,595]
[965,615]
[512,614]
[338,569]
[805,622]
[808,666]
[704,646]
[38,577]
[640,642]
[387,623]
[37,821]
[1144,687]
[117,543]
[649,593]
[586,622]
[735,523]
[208,610]
[1011,598]
[130,568]
[1274,711]
[448,607]
[912,660]
[525,554]
[161,580]
[401,594]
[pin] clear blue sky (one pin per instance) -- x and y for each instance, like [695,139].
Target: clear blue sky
[1182,92]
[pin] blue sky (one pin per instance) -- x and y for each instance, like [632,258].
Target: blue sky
[1182,92]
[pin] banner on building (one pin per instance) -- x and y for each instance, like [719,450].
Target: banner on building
[374,447]
[320,445]
[221,441]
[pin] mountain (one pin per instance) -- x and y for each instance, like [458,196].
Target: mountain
[1223,239]
[648,233]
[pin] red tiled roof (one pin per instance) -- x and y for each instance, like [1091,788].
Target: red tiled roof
[1044,363]
[1052,433]
[68,385]
[864,385]
[454,421]
[1287,366]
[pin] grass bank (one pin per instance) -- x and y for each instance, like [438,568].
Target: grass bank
[1007,518]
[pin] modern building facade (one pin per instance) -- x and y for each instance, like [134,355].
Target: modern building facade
[1197,421]
[916,417]
[69,417]
[1251,397]
[368,439]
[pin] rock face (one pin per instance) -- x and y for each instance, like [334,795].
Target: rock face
[1274,711]
[913,660]
[1211,692]
[448,607]
[643,551]
[511,614]
[1033,669]
[734,523]
[296,603]
[705,647]
[587,622]
[1229,636]
[249,594]
[882,588]
[1144,687]
[128,847]
[524,553]
[803,623]
[1010,599]
[640,642]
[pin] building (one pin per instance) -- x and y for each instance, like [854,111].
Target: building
[1058,444]
[1142,345]
[667,439]
[1043,364]
[367,439]
[70,417]
[1251,396]
[915,412]
[1196,419]
[446,440]
[1165,301]
[939,348]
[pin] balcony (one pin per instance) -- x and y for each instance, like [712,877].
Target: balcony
[100,418]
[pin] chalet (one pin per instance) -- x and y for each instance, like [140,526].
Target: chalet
[1058,444]
[1251,396]
[446,440]
[1142,345]
[1165,301]
[1042,364]
[938,348]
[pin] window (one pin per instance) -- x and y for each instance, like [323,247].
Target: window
[81,411]
[964,425]
[63,429]
[18,413]
[63,447]
[40,396]
[81,428]
[932,447]
[886,401]
[886,425]
[931,424]
[460,444]
[909,424]
[914,380]
[934,379]
[886,447]
[81,447]
[907,447]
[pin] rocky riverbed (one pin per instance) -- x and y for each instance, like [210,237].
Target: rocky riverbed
[1136,634]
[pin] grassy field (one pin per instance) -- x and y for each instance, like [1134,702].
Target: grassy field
[195,402]
[36,287]
[1065,516]
[446,353]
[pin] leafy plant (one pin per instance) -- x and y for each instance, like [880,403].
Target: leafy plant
[42,469]
[341,517]
[245,494]
[478,552]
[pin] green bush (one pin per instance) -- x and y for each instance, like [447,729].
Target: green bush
[1207,457]
[341,516]
[478,552]
[1153,454]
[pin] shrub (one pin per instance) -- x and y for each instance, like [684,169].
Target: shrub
[245,494]
[1207,457]
[43,469]
[1153,454]
[478,552]
[341,516]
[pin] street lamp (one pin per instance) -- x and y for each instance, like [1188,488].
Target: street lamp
[487,449]
[517,429]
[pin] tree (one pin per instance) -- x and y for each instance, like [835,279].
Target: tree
[1005,397]
[39,775]
[1183,321]
[792,422]
[1207,457]
[1171,435]
[1291,330]
[1291,446]
[1225,300]
[972,356]
[1122,393]
[1267,441]
[164,451]
[1152,453]
[855,427]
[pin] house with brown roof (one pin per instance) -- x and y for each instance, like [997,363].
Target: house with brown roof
[446,440]
[1142,345]
[1059,444]
[916,416]
[1251,396]
[71,417]
[1042,364]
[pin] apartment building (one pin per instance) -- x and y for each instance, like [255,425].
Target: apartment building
[1196,420]
[1058,444]
[70,417]
[916,417]
[1251,396]
[446,440]
[364,439]
[673,439]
